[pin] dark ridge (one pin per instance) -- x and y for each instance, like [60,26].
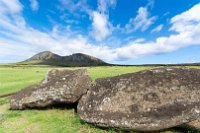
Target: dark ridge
[75,60]
[80,60]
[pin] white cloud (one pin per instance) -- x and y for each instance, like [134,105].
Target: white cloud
[34,5]
[186,21]
[141,22]
[100,26]
[22,40]
[11,6]
[104,5]
[68,21]
[166,14]
[187,26]
[140,40]
[150,3]
[157,29]
[77,8]
[17,39]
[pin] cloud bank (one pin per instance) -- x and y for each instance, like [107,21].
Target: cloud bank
[19,41]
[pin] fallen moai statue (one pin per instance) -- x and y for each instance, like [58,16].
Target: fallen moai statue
[59,86]
[145,101]
[150,100]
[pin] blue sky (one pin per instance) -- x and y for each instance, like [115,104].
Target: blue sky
[117,31]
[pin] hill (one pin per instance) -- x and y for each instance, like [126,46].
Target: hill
[76,60]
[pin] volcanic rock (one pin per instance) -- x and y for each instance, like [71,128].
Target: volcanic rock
[58,87]
[145,101]
[193,124]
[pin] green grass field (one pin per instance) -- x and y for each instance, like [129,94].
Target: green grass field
[55,120]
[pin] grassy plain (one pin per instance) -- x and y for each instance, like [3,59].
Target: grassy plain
[55,120]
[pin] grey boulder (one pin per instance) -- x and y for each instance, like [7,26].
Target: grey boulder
[150,100]
[58,87]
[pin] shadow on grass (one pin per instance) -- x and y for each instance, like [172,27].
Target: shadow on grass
[61,106]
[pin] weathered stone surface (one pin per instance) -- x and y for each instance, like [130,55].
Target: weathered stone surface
[59,86]
[193,124]
[146,101]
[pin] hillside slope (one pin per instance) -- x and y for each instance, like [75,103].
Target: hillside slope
[49,58]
